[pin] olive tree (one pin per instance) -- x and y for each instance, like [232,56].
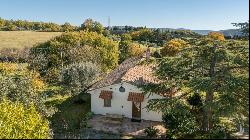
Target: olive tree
[77,77]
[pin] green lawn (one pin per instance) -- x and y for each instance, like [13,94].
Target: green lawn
[22,39]
[70,112]
[66,122]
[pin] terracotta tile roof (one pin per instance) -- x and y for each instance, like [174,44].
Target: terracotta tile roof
[106,94]
[141,74]
[115,76]
[131,71]
[135,97]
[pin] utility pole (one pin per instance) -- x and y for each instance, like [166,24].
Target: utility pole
[109,23]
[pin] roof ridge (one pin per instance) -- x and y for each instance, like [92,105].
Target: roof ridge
[118,72]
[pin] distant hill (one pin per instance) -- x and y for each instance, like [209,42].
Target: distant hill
[229,32]
[202,32]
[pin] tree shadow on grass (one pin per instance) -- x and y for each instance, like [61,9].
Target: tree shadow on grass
[70,114]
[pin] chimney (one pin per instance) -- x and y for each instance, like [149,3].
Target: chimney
[140,81]
[147,54]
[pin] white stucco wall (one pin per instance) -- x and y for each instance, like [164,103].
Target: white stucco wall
[119,103]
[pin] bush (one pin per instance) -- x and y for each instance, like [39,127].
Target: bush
[53,91]
[179,121]
[78,76]
[73,47]
[151,131]
[216,36]
[17,84]
[224,127]
[13,69]
[14,55]
[86,117]
[52,76]
[20,122]
[173,47]
[157,54]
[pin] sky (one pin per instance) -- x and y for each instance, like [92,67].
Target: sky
[189,14]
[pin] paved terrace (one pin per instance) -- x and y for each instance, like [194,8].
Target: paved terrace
[123,126]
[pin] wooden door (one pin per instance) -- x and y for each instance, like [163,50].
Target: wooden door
[136,110]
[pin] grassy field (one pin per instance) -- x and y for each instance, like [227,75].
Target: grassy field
[21,39]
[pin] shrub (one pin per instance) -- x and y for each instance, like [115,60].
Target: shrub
[216,36]
[179,121]
[20,122]
[14,55]
[86,117]
[172,47]
[21,85]
[151,131]
[73,47]
[225,127]
[52,76]
[157,54]
[78,76]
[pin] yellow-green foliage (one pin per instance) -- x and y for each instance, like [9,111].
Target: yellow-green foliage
[228,124]
[8,68]
[14,68]
[104,49]
[216,36]
[172,47]
[152,49]
[19,122]
[22,39]
[142,34]
[107,48]
[135,49]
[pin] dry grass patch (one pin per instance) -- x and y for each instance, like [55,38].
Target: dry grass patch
[24,39]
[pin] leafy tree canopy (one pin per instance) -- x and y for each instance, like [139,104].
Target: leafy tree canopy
[19,84]
[244,28]
[92,25]
[218,71]
[172,47]
[79,76]
[20,122]
[50,57]
[216,36]
[21,25]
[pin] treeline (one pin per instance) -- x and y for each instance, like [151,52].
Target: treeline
[156,38]
[24,25]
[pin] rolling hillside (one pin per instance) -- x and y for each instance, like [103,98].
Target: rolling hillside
[229,32]
[21,39]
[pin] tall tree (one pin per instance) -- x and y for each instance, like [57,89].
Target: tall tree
[67,27]
[244,28]
[92,25]
[51,56]
[79,76]
[2,22]
[126,40]
[217,69]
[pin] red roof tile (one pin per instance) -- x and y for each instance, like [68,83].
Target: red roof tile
[135,97]
[106,94]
